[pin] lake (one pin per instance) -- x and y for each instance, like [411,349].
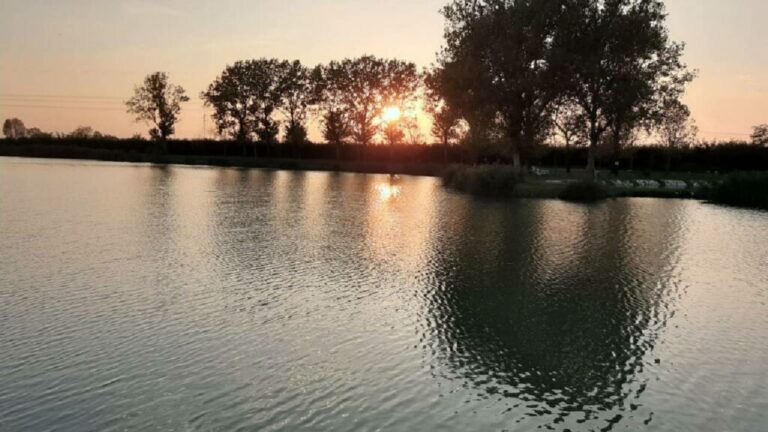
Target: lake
[148,298]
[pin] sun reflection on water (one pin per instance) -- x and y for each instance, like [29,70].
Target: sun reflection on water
[388,191]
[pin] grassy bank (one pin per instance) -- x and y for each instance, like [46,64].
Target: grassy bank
[741,190]
[500,181]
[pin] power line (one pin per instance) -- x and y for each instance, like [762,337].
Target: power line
[51,96]
[75,107]
[95,108]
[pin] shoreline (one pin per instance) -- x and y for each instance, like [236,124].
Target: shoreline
[289,164]
[534,187]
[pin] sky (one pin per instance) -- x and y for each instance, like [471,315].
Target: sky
[70,63]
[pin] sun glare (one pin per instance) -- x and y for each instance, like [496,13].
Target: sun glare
[391,114]
[388,191]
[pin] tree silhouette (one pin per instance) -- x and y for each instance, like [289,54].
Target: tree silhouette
[760,135]
[507,46]
[330,98]
[244,98]
[620,62]
[569,125]
[14,128]
[393,132]
[297,97]
[361,88]
[675,128]
[158,102]
[446,118]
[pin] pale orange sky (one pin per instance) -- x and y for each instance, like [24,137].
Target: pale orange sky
[67,63]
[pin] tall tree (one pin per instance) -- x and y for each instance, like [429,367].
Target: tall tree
[620,62]
[507,46]
[393,132]
[158,102]
[569,126]
[14,128]
[446,117]
[297,97]
[363,87]
[244,98]
[330,98]
[675,128]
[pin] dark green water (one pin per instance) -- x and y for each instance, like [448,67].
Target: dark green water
[141,298]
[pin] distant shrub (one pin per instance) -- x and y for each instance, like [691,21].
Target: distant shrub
[584,191]
[743,190]
[489,180]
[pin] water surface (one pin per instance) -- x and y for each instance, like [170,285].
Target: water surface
[195,299]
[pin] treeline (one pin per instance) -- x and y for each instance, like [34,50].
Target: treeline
[514,80]
[511,75]
[705,157]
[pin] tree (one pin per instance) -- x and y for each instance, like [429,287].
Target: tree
[507,44]
[244,98]
[412,131]
[569,125]
[620,62]
[83,133]
[158,102]
[393,132]
[298,94]
[676,129]
[87,133]
[446,118]
[37,133]
[362,88]
[760,135]
[14,128]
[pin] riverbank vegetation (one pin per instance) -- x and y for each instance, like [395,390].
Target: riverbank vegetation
[491,180]
[741,190]
[584,191]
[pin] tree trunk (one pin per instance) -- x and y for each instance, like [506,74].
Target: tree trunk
[594,139]
[591,173]
[616,154]
[516,164]
[567,157]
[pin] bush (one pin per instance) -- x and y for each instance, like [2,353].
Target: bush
[584,191]
[489,180]
[742,190]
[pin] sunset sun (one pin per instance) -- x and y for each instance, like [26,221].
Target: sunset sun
[391,114]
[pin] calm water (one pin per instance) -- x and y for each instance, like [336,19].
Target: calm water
[139,298]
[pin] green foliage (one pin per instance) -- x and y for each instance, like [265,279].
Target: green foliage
[584,191]
[489,180]
[742,190]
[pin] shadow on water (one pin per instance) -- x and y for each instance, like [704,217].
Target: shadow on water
[558,322]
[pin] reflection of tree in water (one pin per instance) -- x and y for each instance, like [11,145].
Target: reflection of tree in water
[567,336]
